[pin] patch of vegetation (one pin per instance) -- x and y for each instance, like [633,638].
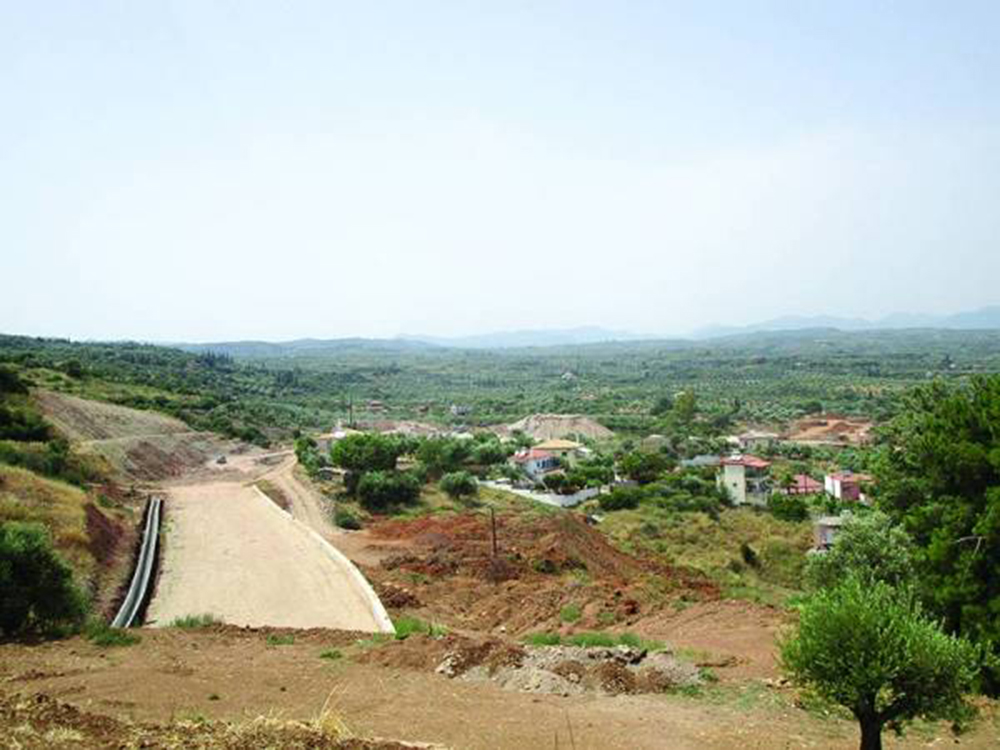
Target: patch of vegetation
[39,594]
[407,626]
[543,639]
[275,639]
[193,622]
[750,554]
[103,635]
[346,520]
[590,639]
[332,654]
[570,613]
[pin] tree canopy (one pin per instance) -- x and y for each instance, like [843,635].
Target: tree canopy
[869,546]
[939,476]
[869,647]
[367,452]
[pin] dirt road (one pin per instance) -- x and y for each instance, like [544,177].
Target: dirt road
[231,552]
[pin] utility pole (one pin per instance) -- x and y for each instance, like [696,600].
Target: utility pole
[493,530]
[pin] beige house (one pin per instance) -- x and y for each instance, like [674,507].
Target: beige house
[566,450]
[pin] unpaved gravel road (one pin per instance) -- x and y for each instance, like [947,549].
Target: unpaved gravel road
[232,553]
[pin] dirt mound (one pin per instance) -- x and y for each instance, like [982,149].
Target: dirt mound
[566,669]
[543,565]
[830,428]
[38,721]
[552,426]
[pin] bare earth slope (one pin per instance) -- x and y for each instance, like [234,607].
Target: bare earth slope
[138,445]
[82,419]
[555,426]
[232,553]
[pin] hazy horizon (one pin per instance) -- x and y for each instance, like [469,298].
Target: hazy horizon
[200,172]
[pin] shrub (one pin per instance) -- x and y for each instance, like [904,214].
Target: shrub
[331,654]
[280,640]
[39,594]
[788,507]
[346,520]
[10,382]
[621,498]
[459,484]
[381,490]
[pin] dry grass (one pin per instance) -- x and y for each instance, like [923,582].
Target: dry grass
[713,547]
[40,722]
[25,496]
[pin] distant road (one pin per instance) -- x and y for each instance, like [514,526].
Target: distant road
[231,552]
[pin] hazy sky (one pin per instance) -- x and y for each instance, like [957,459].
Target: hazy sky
[205,171]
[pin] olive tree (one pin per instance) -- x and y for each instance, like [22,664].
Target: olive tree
[869,647]
[459,485]
[870,546]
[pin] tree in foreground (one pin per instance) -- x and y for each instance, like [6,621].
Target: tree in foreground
[939,476]
[37,592]
[870,648]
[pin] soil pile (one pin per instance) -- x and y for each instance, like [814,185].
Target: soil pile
[553,426]
[564,670]
[542,565]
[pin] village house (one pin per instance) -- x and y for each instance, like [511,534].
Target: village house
[802,484]
[846,486]
[825,531]
[535,462]
[746,479]
[755,440]
[566,450]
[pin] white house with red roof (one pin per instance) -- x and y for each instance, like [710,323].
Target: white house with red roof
[746,479]
[846,485]
[535,462]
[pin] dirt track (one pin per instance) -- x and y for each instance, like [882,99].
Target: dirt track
[230,552]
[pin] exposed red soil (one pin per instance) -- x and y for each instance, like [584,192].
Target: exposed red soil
[444,566]
[735,638]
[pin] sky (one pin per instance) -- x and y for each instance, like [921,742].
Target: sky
[206,171]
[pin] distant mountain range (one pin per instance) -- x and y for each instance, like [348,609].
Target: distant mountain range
[521,339]
[303,347]
[985,318]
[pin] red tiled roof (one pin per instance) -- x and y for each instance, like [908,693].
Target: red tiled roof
[848,476]
[531,455]
[806,484]
[751,462]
